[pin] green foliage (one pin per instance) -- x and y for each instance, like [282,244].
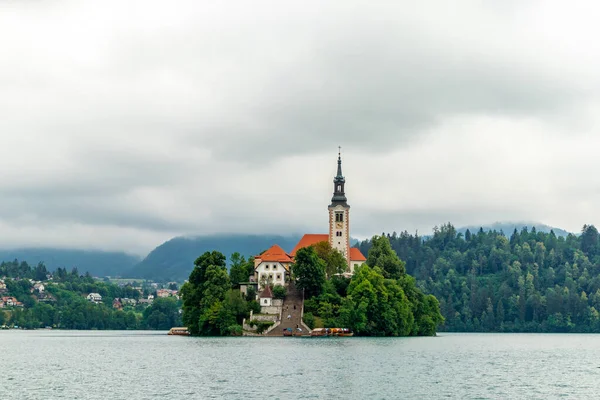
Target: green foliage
[309,271]
[163,314]
[309,320]
[192,292]
[240,269]
[63,304]
[261,326]
[484,281]
[279,292]
[383,256]
[251,293]
[235,330]
[376,306]
[210,306]
[254,306]
[335,263]
[372,305]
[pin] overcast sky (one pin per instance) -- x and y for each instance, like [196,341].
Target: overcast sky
[123,124]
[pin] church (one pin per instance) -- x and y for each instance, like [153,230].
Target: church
[274,264]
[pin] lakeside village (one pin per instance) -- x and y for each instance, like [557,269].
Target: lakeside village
[69,301]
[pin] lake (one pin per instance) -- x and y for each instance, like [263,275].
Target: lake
[146,365]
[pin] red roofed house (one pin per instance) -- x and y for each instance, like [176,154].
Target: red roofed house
[272,266]
[339,226]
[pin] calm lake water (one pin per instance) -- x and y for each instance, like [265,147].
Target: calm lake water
[142,365]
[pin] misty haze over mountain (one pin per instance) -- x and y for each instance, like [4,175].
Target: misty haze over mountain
[173,260]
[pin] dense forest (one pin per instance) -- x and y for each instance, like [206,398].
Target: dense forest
[488,282]
[63,304]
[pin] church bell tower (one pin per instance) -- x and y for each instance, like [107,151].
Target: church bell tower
[339,214]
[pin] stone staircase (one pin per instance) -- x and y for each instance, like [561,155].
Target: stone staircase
[292,307]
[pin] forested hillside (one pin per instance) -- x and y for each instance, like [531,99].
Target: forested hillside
[528,282]
[174,259]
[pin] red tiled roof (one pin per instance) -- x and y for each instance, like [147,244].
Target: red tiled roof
[356,255]
[275,254]
[266,293]
[308,240]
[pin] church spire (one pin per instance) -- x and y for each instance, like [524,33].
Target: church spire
[339,171]
[339,196]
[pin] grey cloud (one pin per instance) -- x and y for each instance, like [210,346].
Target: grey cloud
[414,220]
[377,103]
[171,119]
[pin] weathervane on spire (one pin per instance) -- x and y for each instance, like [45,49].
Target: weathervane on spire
[340,151]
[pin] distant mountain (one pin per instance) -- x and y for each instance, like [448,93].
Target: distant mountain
[509,227]
[174,259]
[97,263]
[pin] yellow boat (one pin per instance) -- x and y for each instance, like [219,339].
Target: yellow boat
[324,332]
[181,331]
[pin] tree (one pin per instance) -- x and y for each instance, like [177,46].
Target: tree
[279,292]
[309,271]
[40,272]
[383,256]
[197,294]
[215,316]
[237,270]
[376,306]
[163,314]
[335,263]
[589,240]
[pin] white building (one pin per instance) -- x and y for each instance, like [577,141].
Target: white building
[272,266]
[94,298]
[266,297]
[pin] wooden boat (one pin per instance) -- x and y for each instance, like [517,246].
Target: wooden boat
[325,332]
[181,331]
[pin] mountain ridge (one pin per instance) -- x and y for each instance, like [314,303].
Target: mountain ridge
[173,260]
[96,262]
[508,227]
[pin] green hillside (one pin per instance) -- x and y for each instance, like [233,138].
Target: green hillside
[528,281]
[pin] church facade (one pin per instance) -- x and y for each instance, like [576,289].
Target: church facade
[274,264]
